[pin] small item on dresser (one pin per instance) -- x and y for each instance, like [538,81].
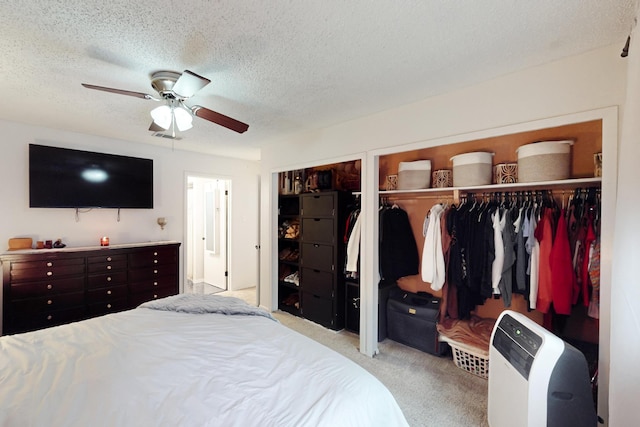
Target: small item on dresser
[442,178]
[40,244]
[414,175]
[505,173]
[48,244]
[104,241]
[470,169]
[17,243]
[58,244]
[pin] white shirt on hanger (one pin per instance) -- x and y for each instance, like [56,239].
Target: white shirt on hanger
[433,267]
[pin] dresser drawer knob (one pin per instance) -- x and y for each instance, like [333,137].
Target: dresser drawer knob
[155,296]
[49,273]
[108,267]
[155,254]
[108,292]
[108,305]
[155,271]
[49,302]
[155,261]
[49,317]
[49,286]
[108,278]
[109,258]
[49,264]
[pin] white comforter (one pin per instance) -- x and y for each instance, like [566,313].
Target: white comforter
[147,367]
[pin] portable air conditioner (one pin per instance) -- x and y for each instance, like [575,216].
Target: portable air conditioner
[535,378]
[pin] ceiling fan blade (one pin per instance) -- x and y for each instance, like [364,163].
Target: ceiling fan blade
[119,91]
[220,119]
[155,128]
[189,83]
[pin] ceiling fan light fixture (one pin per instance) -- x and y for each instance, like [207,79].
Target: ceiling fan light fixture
[183,118]
[162,116]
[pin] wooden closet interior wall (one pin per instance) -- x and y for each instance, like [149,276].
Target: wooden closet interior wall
[588,141]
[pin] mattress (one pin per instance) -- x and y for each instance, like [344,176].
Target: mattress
[149,367]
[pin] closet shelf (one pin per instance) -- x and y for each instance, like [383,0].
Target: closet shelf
[567,184]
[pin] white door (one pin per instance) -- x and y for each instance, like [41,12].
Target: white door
[216,193]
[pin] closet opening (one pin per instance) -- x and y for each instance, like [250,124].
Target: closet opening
[317,209]
[581,203]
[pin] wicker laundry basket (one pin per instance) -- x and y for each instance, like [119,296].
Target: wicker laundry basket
[471,359]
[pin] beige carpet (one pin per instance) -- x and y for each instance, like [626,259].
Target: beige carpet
[431,391]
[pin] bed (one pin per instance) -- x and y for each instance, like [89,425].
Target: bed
[185,360]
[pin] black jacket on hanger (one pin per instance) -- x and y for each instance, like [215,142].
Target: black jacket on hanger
[398,248]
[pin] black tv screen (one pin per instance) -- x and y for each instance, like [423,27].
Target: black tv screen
[66,178]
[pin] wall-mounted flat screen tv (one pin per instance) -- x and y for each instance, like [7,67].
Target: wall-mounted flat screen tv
[66,178]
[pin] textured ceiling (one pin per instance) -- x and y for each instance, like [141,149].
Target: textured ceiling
[280,66]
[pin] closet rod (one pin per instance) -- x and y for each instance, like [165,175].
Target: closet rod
[398,197]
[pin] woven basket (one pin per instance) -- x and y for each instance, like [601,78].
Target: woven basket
[414,175]
[470,169]
[544,161]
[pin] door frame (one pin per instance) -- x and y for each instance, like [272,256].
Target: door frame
[191,240]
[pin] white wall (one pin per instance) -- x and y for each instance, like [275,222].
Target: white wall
[136,225]
[589,81]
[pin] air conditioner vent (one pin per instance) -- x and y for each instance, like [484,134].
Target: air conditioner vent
[164,135]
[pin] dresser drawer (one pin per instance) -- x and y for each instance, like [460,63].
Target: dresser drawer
[52,272]
[106,258]
[318,230]
[318,205]
[46,287]
[46,263]
[151,273]
[150,285]
[137,299]
[105,280]
[49,303]
[107,294]
[43,319]
[317,282]
[317,256]
[156,256]
[317,309]
[105,267]
[106,307]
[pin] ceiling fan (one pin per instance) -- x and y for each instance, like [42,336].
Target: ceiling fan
[175,88]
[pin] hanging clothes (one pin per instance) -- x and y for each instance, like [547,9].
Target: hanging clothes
[496,268]
[433,265]
[522,256]
[594,276]
[562,275]
[353,245]
[584,270]
[508,241]
[533,249]
[398,250]
[449,303]
[544,235]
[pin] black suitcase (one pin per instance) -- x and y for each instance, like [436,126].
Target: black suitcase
[412,319]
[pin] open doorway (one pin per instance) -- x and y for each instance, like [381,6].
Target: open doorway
[207,234]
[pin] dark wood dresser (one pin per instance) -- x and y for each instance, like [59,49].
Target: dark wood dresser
[48,287]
